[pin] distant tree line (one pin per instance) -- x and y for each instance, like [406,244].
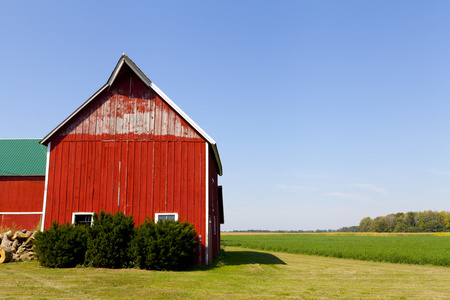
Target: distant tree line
[425,221]
[343,229]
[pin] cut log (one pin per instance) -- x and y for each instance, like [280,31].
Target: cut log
[27,256]
[9,234]
[27,244]
[5,255]
[6,242]
[14,245]
[28,234]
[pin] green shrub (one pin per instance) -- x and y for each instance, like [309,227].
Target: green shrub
[166,245]
[108,241]
[61,246]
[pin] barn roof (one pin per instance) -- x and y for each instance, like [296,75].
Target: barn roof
[125,60]
[21,157]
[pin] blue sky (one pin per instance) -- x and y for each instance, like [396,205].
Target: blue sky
[325,112]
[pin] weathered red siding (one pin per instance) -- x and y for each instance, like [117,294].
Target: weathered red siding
[21,194]
[128,151]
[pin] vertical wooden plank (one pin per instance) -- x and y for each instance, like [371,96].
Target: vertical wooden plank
[164,175]
[170,176]
[104,172]
[184,182]
[106,133]
[113,118]
[64,147]
[85,124]
[57,183]
[151,180]
[178,127]
[99,128]
[143,183]
[92,122]
[116,177]
[88,205]
[84,177]
[146,118]
[165,122]
[157,193]
[16,193]
[120,115]
[177,179]
[70,178]
[79,128]
[107,179]
[191,182]
[158,119]
[133,118]
[77,175]
[123,176]
[136,180]
[130,179]
[140,122]
[170,124]
[152,118]
[4,192]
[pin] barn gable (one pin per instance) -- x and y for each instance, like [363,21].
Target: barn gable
[173,120]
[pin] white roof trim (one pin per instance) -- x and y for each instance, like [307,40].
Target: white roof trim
[125,59]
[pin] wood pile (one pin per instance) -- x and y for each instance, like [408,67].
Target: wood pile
[16,246]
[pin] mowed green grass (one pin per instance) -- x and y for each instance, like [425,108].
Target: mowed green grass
[408,249]
[243,274]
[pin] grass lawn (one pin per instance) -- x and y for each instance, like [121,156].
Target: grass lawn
[244,274]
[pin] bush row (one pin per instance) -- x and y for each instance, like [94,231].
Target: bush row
[113,242]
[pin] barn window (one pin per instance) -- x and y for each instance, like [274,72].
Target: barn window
[82,218]
[166,216]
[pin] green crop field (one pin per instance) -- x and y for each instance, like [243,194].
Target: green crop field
[408,249]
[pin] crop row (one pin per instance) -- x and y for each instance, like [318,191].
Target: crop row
[421,250]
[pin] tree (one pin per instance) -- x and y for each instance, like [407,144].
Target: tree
[365,225]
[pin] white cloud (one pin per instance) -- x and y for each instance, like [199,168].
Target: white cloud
[350,196]
[372,188]
[438,172]
[295,187]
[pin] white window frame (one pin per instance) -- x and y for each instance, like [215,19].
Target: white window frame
[81,214]
[164,214]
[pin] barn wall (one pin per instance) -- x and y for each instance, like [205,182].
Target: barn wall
[20,221]
[128,151]
[21,194]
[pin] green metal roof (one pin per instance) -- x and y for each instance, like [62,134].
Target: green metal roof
[22,157]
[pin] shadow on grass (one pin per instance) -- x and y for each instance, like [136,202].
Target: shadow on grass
[233,258]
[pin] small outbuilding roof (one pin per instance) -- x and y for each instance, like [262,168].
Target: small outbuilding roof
[125,60]
[22,157]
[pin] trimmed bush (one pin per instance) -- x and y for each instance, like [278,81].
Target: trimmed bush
[166,245]
[61,246]
[108,241]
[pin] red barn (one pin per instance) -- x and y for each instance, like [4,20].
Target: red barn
[129,148]
[22,177]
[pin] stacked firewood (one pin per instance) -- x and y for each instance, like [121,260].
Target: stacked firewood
[16,246]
